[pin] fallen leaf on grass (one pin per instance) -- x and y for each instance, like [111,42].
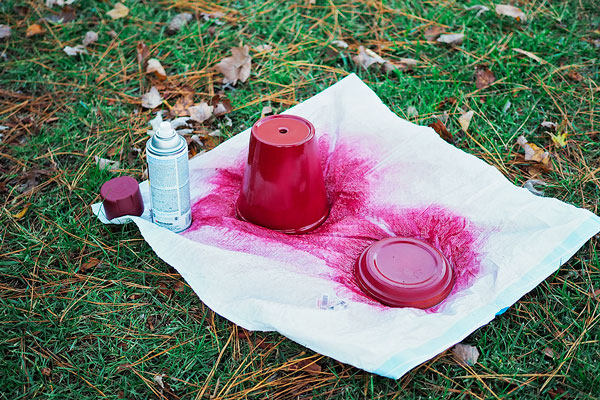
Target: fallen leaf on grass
[75,51]
[142,52]
[432,33]
[530,55]
[122,367]
[441,130]
[182,104]
[159,380]
[152,99]
[484,77]
[309,366]
[411,112]
[106,164]
[200,112]
[5,31]
[558,133]
[266,110]
[573,74]
[155,66]
[340,43]
[179,21]
[510,11]
[67,14]
[367,57]
[91,263]
[404,64]
[22,213]
[237,67]
[164,289]
[222,105]
[447,101]
[465,354]
[533,152]
[214,17]
[179,287]
[46,371]
[548,352]
[89,38]
[465,120]
[119,11]
[60,3]
[263,47]
[530,185]
[481,9]
[33,30]
[451,38]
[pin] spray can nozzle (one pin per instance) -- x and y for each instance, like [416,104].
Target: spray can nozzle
[165,130]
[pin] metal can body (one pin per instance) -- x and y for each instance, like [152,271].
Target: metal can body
[168,173]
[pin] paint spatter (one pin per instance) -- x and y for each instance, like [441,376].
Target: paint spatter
[355,222]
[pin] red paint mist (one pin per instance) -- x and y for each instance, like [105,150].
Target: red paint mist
[353,224]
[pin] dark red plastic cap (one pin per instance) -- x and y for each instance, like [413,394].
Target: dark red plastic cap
[121,197]
[404,272]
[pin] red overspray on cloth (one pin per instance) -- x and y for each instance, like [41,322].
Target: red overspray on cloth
[121,196]
[349,228]
[404,272]
[283,187]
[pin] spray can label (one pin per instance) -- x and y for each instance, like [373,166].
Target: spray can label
[170,190]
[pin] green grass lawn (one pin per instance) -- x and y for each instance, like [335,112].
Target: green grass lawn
[88,310]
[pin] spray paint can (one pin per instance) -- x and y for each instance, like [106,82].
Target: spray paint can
[169,177]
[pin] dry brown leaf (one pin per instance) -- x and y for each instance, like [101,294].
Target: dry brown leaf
[34,29]
[222,105]
[448,101]
[91,263]
[22,213]
[340,43]
[367,57]
[309,366]
[441,130]
[451,38]
[412,112]
[122,367]
[155,66]
[263,47]
[548,352]
[151,99]
[179,286]
[510,11]
[533,152]
[74,51]
[237,67]
[404,64]
[530,55]
[266,110]
[432,33]
[200,112]
[180,109]
[46,371]
[465,354]
[142,52]
[573,74]
[90,37]
[465,120]
[484,77]
[164,289]
[106,164]
[119,11]
[5,31]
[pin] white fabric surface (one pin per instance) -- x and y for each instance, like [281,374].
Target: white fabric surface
[275,287]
